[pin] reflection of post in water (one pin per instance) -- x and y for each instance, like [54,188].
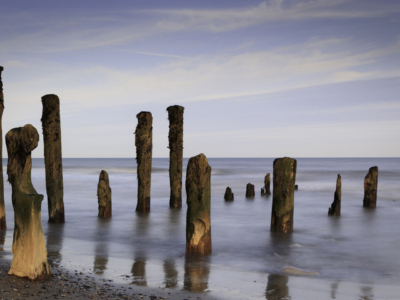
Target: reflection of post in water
[280,244]
[171,274]
[366,293]
[277,288]
[55,236]
[139,271]
[197,271]
[2,239]
[334,287]
[142,224]
[102,240]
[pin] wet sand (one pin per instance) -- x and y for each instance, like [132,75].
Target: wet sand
[72,284]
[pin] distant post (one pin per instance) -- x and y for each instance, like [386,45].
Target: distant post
[250,191]
[228,194]
[53,157]
[104,195]
[144,148]
[371,188]
[175,136]
[198,191]
[28,248]
[334,210]
[3,224]
[267,184]
[283,194]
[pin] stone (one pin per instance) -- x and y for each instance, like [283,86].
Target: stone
[144,148]
[250,191]
[104,195]
[198,194]
[228,194]
[53,158]
[371,188]
[334,210]
[28,248]
[3,224]
[283,194]
[175,137]
[267,185]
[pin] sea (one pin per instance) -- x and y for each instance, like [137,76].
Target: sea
[356,255]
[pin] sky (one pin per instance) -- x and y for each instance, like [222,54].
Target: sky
[312,78]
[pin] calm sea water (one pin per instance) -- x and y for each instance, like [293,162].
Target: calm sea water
[360,247]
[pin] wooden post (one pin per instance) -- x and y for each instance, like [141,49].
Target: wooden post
[53,158]
[267,184]
[334,210]
[250,191]
[144,148]
[371,188]
[175,137]
[283,194]
[104,195]
[228,194]
[198,191]
[3,224]
[28,248]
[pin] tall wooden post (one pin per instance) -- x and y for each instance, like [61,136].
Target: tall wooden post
[53,157]
[104,195]
[198,191]
[371,188]
[283,194]
[3,224]
[175,137]
[334,210]
[28,248]
[144,148]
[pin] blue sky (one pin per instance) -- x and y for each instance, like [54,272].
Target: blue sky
[274,78]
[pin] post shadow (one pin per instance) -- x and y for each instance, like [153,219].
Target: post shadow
[197,272]
[171,274]
[277,287]
[334,287]
[102,240]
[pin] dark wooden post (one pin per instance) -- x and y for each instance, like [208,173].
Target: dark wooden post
[3,224]
[104,195]
[371,188]
[198,191]
[228,194]
[267,185]
[53,158]
[175,137]
[28,248]
[250,191]
[144,148]
[334,210]
[283,194]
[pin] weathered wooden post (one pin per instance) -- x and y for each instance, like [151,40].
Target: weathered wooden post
[53,158]
[250,191]
[144,148]
[104,195]
[267,185]
[28,248]
[198,191]
[175,136]
[371,188]
[283,194]
[3,224]
[334,210]
[228,194]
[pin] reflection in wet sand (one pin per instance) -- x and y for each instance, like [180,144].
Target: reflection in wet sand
[2,239]
[139,271]
[277,288]
[366,293]
[334,287]
[197,271]
[101,255]
[54,242]
[171,274]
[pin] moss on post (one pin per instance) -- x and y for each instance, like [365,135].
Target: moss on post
[53,158]
[371,188]
[28,248]
[283,194]
[175,137]
[104,195]
[144,148]
[198,193]
[3,224]
[334,210]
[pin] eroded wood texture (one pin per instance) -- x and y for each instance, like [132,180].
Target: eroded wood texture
[228,194]
[53,158]
[175,137]
[198,191]
[3,224]
[334,210]
[28,248]
[371,188]
[144,148]
[250,191]
[284,179]
[104,195]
